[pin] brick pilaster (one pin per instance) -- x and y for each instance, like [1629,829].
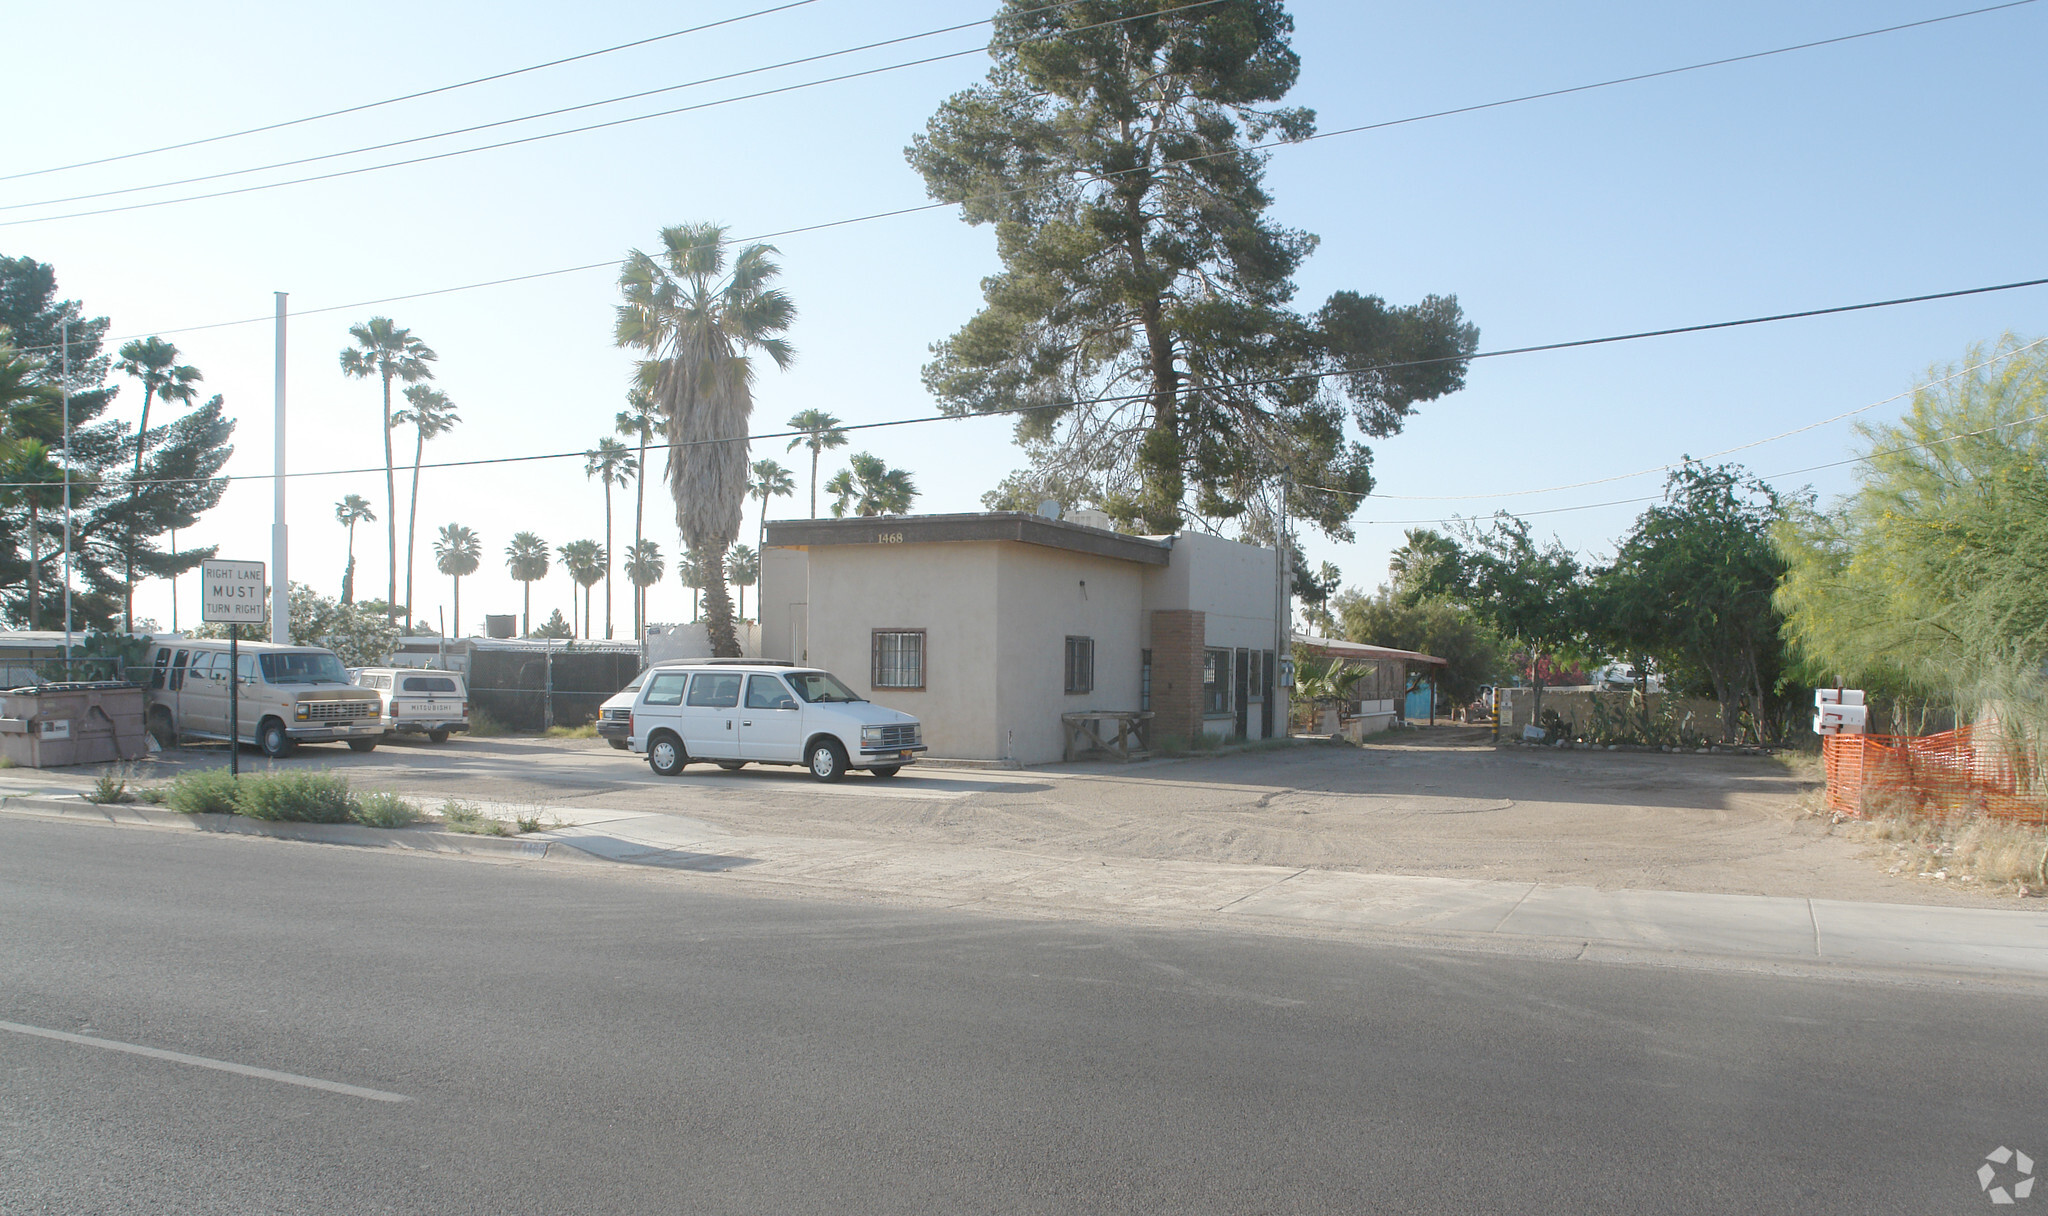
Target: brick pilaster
[1178,636]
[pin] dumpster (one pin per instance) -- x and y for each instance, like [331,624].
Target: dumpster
[91,722]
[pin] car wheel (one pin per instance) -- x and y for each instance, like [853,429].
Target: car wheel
[887,770]
[665,755]
[271,737]
[161,729]
[437,736]
[732,766]
[619,744]
[362,745]
[827,760]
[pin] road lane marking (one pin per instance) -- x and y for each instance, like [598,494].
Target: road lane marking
[179,1057]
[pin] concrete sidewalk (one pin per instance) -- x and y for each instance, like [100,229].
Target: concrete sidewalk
[1570,921]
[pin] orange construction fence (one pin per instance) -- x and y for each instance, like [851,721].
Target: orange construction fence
[1957,772]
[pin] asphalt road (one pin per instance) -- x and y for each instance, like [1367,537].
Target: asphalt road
[590,1040]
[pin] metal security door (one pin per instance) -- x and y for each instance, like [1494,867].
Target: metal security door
[1243,689]
[1266,689]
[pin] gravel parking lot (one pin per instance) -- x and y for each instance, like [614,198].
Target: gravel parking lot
[1439,803]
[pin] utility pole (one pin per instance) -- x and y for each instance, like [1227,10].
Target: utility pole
[280,586]
[64,341]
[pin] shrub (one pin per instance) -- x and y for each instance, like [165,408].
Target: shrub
[154,795]
[385,809]
[111,786]
[298,798]
[462,817]
[212,791]
[586,731]
[484,726]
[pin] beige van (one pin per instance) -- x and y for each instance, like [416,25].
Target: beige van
[288,695]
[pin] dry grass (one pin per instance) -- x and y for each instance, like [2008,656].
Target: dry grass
[1993,853]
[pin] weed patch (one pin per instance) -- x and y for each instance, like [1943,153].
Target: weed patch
[462,817]
[483,726]
[1991,852]
[297,798]
[385,809]
[207,792]
[111,786]
[586,731]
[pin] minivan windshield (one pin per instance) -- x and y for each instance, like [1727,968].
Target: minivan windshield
[303,667]
[820,687]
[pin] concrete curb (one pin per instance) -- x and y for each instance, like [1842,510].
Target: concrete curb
[427,840]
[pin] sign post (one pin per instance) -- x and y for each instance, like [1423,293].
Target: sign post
[232,593]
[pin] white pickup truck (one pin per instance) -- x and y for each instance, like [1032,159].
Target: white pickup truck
[419,702]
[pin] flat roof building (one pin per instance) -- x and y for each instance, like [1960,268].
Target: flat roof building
[989,627]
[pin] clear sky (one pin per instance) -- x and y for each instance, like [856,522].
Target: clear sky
[1895,165]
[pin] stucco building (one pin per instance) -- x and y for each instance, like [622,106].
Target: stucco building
[990,626]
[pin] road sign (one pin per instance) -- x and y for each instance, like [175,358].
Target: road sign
[231,592]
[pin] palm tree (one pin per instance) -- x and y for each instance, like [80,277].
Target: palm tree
[388,352]
[612,463]
[871,487]
[432,414]
[821,433]
[586,561]
[692,574]
[527,560]
[457,553]
[700,320]
[771,480]
[349,512]
[742,566]
[154,362]
[639,422]
[644,568]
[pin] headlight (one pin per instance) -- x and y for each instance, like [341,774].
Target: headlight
[870,734]
[302,713]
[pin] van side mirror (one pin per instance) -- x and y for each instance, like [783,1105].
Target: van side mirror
[785,703]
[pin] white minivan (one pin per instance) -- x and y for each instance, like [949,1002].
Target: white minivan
[753,712]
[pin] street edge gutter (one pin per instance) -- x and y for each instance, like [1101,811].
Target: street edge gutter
[79,810]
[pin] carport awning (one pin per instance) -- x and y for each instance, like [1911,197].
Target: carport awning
[1336,648]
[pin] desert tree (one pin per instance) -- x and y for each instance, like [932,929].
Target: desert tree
[770,480]
[612,464]
[154,364]
[868,486]
[587,562]
[643,567]
[821,433]
[429,412]
[350,511]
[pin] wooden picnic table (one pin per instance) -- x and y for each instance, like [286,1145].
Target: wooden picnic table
[1086,733]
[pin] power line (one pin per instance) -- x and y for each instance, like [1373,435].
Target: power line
[1189,390]
[547,135]
[588,105]
[1741,447]
[1272,144]
[1814,468]
[371,105]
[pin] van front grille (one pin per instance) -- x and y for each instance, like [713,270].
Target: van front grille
[903,734]
[339,711]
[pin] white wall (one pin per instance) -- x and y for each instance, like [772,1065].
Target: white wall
[947,590]
[1041,602]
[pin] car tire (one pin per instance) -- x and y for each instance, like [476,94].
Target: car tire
[437,736]
[826,760]
[362,745]
[732,766]
[273,739]
[665,754]
[161,728]
[887,770]
[619,744]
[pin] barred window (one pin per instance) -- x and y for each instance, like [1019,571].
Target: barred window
[1215,681]
[1080,665]
[899,659]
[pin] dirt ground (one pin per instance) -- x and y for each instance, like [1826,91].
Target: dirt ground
[1443,803]
[1440,802]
